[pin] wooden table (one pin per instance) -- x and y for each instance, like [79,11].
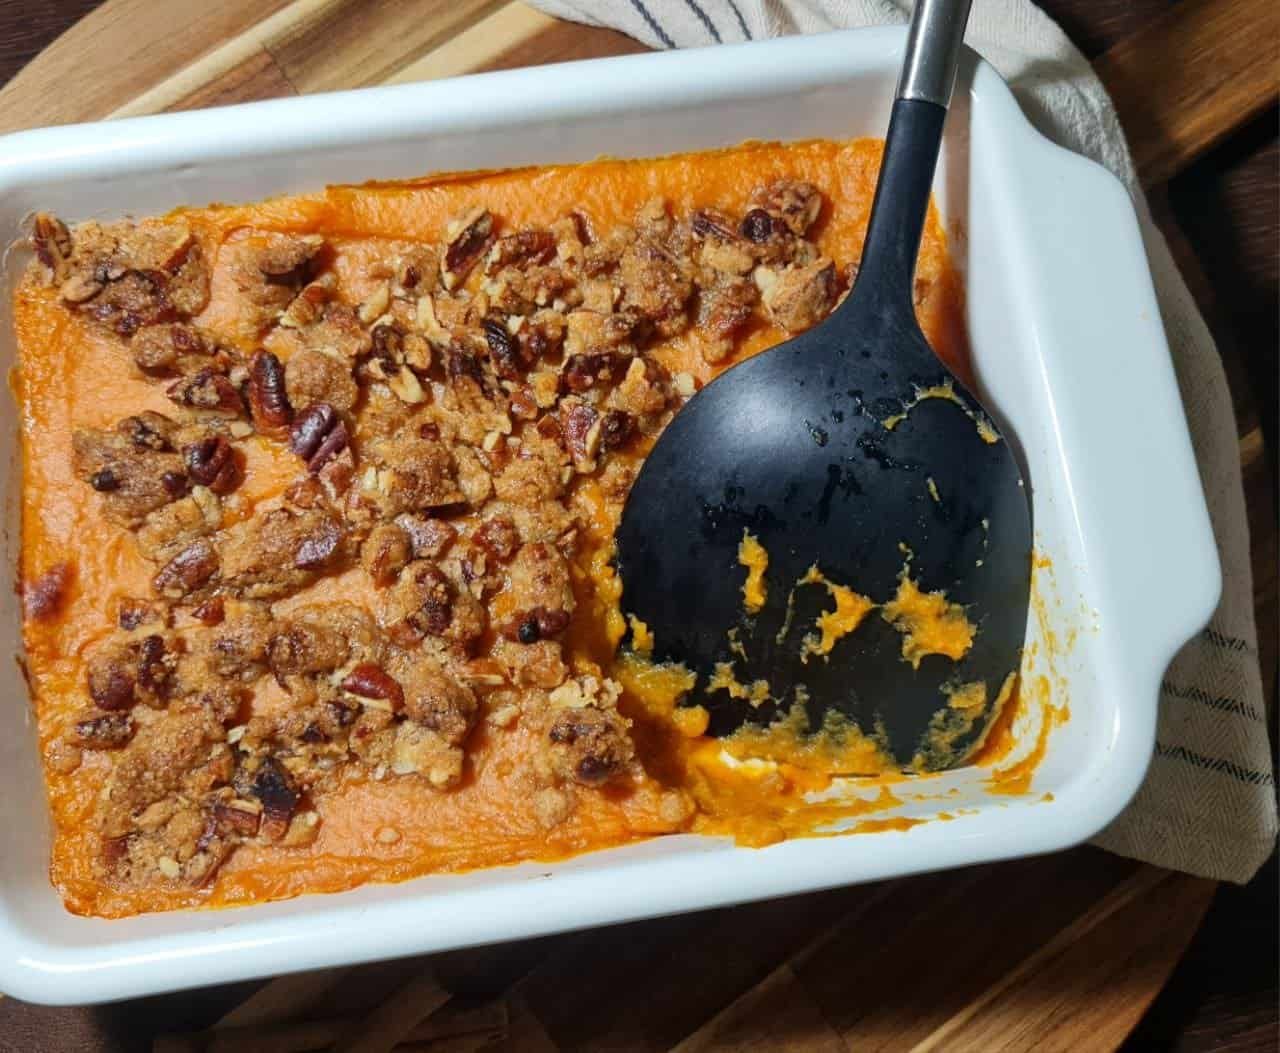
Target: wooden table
[1067,951]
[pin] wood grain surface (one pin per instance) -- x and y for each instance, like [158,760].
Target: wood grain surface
[1063,952]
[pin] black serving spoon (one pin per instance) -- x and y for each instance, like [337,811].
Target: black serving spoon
[800,446]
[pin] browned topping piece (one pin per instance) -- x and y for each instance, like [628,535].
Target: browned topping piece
[795,203]
[238,815]
[422,600]
[307,644]
[313,377]
[280,551]
[318,436]
[42,598]
[212,463]
[128,671]
[498,536]
[798,297]
[268,402]
[128,275]
[104,731]
[394,357]
[412,475]
[436,700]
[284,254]
[466,239]
[385,552]
[429,537]
[207,391]
[542,591]
[721,247]
[175,347]
[238,647]
[725,306]
[168,530]
[590,745]
[132,466]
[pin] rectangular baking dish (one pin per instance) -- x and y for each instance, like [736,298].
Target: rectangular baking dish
[1069,352]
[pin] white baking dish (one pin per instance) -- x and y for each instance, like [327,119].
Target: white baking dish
[1069,351]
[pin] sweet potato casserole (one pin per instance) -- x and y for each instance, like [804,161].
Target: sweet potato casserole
[319,496]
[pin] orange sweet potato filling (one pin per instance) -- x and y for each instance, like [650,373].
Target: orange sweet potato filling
[74,374]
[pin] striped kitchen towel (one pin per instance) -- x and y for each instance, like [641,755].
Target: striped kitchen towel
[1208,805]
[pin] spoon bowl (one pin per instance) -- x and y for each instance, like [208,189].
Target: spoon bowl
[854,450]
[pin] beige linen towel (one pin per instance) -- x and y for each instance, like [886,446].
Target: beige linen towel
[1208,804]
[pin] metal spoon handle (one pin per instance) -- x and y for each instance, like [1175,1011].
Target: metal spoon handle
[933,50]
[887,269]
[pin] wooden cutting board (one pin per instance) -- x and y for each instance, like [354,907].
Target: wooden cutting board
[1063,952]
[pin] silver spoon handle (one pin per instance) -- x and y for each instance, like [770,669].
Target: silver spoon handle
[933,50]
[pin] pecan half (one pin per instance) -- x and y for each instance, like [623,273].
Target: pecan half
[187,571]
[268,401]
[212,463]
[318,436]
[52,243]
[371,683]
[468,238]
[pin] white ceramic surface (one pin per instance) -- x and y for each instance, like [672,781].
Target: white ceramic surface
[1069,351]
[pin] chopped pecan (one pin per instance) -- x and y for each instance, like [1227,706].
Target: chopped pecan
[428,537]
[238,816]
[466,240]
[284,254]
[273,787]
[318,436]
[211,462]
[616,427]
[504,352]
[794,203]
[373,685]
[580,427]
[42,599]
[133,613]
[188,571]
[799,296]
[385,552]
[584,371]
[104,731]
[524,246]
[498,536]
[590,745]
[268,401]
[207,390]
[52,244]
[317,548]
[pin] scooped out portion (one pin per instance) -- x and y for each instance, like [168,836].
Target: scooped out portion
[318,507]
